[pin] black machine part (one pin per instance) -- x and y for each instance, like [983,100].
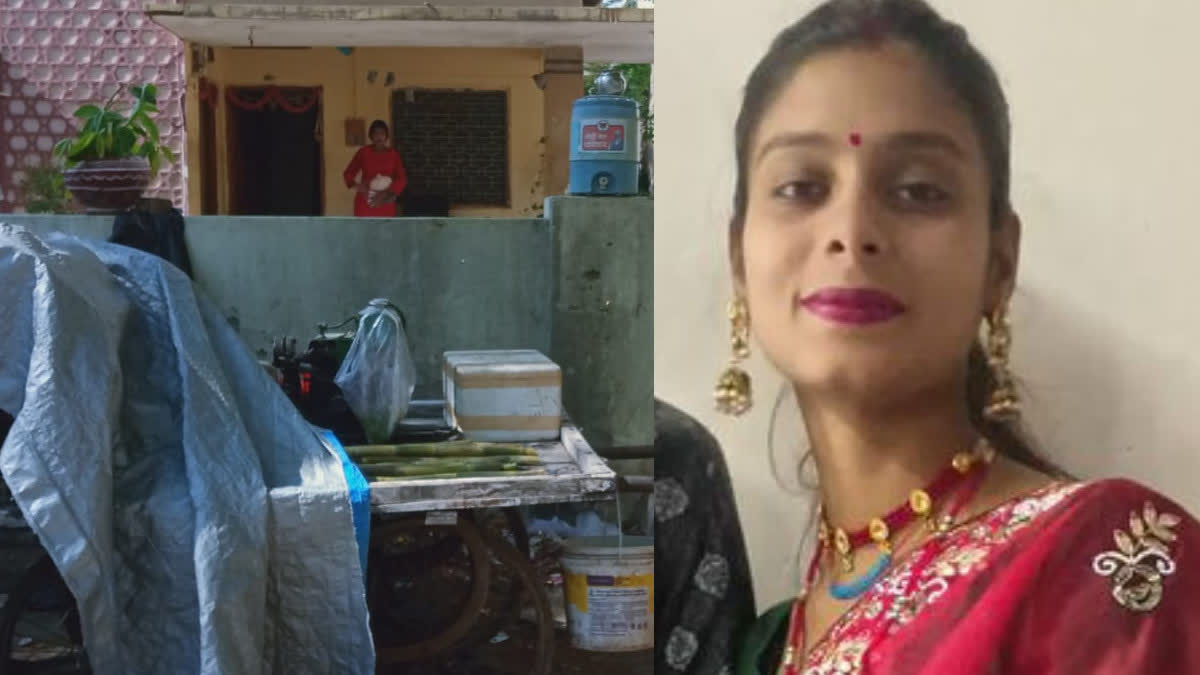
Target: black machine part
[308,380]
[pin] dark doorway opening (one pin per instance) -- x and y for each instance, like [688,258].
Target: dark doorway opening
[275,152]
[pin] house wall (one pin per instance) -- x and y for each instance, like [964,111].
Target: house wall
[442,3]
[347,93]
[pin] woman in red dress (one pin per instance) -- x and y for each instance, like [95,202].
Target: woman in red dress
[377,175]
[873,241]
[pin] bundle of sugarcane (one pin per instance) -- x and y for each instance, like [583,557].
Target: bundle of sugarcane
[408,474]
[444,449]
[454,459]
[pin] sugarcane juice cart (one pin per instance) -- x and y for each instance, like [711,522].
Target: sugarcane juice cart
[429,528]
[449,565]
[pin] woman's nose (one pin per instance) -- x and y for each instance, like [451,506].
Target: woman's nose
[854,226]
[839,245]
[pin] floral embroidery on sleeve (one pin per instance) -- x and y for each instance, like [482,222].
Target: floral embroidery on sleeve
[1141,561]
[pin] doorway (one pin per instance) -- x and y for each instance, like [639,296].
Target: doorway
[276,166]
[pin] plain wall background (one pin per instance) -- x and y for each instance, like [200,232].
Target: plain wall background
[1106,134]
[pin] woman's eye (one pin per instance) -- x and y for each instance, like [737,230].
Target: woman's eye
[801,190]
[921,194]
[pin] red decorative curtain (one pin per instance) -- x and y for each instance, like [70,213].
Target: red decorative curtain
[294,101]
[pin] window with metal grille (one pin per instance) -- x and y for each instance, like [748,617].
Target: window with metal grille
[454,144]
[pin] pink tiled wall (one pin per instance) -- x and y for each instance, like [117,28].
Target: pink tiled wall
[58,54]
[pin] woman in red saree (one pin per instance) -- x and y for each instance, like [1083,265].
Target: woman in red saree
[377,175]
[872,242]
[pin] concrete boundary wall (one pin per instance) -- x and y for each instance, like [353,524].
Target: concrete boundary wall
[577,286]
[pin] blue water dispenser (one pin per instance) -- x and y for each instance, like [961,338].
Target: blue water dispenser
[605,141]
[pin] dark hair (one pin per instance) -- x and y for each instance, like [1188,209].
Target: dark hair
[378,124]
[839,24]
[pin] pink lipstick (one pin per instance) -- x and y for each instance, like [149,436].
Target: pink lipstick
[854,306]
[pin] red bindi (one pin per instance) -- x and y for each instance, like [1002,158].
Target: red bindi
[856,139]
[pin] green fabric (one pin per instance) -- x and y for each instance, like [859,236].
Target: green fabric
[760,639]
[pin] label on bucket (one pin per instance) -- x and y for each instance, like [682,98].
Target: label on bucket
[618,611]
[602,135]
[611,612]
[581,588]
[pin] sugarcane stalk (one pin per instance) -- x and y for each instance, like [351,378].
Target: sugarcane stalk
[448,465]
[405,471]
[457,461]
[466,474]
[524,460]
[454,464]
[442,449]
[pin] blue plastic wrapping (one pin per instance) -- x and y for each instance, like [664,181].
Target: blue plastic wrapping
[200,523]
[360,496]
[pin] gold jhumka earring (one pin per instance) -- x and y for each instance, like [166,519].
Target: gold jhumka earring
[1003,404]
[732,394]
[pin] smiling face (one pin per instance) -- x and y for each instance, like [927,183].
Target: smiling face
[867,247]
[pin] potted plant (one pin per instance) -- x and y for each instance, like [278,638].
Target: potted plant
[44,191]
[114,155]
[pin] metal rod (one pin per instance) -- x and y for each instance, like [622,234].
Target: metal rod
[627,452]
[638,484]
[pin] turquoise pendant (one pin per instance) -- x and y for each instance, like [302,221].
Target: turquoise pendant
[855,588]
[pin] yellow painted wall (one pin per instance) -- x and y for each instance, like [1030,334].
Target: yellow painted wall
[348,94]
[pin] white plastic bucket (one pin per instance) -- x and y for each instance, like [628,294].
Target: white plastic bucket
[610,593]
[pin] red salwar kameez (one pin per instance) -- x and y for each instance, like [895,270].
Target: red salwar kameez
[367,164]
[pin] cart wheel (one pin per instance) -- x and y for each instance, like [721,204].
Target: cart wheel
[516,532]
[425,587]
[503,604]
[514,578]
[530,647]
[507,523]
[39,629]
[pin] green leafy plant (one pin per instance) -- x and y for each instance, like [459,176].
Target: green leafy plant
[108,133]
[43,190]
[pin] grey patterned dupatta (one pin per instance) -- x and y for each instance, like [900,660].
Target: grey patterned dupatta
[703,594]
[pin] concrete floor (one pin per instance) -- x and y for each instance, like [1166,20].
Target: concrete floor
[513,656]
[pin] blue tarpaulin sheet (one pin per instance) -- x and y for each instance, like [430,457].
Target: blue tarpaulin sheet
[198,519]
[360,496]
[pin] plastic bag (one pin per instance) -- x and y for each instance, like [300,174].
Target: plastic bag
[378,184]
[377,376]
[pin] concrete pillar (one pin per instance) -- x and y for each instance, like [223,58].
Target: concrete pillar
[194,173]
[649,151]
[561,82]
[602,325]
